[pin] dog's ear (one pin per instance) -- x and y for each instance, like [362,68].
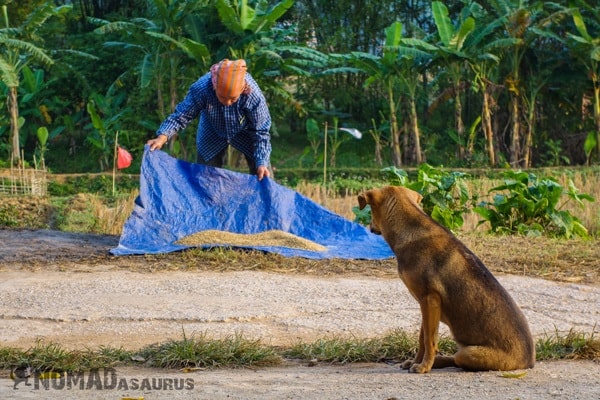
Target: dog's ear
[415,196]
[364,199]
[412,196]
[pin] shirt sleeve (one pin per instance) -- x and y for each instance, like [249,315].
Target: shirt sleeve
[260,125]
[186,111]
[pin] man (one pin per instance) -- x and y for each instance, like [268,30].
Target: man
[232,111]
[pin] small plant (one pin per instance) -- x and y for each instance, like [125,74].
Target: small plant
[445,194]
[530,206]
[589,145]
[42,135]
[106,118]
[553,154]
[313,134]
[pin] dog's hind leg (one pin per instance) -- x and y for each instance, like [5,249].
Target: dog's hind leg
[481,358]
[444,362]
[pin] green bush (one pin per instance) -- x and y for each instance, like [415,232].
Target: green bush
[445,193]
[527,205]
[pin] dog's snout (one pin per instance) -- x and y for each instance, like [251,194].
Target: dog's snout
[374,230]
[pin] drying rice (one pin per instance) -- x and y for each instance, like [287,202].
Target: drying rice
[267,239]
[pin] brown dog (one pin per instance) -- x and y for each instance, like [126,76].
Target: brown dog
[452,286]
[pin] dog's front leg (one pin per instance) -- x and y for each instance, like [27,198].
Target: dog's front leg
[431,311]
[420,350]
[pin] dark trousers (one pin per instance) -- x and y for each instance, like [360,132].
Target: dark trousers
[219,160]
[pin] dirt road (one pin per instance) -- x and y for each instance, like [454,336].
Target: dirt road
[50,290]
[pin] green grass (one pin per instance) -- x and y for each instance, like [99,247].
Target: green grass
[573,345]
[203,352]
[236,351]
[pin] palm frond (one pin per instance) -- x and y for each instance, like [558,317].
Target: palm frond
[123,45]
[38,16]
[77,53]
[8,73]
[195,50]
[263,19]
[442,22]
[10,32]
[228,16]
[340,71]
[37,53]
[161,9]
[146,71]
[117,26]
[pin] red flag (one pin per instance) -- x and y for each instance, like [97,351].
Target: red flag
[123,158]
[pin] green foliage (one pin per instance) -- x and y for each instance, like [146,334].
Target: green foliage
[9,216]
[554,155]
[308,62]
[363,216]
[97,184]
[527,205]
[314,138]
[42,135]
[589,145]
[106,115]
[445,193]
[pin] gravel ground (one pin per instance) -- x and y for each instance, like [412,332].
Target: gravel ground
[113,306]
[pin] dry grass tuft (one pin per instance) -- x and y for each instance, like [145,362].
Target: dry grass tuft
[110,219]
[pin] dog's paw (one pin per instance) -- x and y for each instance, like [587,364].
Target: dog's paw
[419,369]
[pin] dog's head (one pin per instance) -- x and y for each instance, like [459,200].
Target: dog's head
[386,199]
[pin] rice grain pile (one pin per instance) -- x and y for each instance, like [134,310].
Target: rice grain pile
[268,238]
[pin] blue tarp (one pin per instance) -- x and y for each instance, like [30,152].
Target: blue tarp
[178,199]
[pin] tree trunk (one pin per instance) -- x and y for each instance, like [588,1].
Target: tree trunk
[515,142]
[13,110]
[395,136]
[378,158]
[460,126]
[486,124]
[160,103]
[597,113]
[414,128]
[529,137]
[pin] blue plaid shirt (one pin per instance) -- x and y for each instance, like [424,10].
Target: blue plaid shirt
[245,124]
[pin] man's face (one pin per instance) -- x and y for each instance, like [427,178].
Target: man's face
[227,100]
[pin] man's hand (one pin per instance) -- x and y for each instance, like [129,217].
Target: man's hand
[157,142]
[262,172]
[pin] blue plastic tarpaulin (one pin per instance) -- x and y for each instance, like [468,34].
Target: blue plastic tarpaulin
[178,199]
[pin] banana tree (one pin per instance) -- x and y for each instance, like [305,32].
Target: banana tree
[164,46]
[451,52]
[401,64]
[18,50]
[587,50]
[167,51]
[526,25]
[248,25]
[255,35]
